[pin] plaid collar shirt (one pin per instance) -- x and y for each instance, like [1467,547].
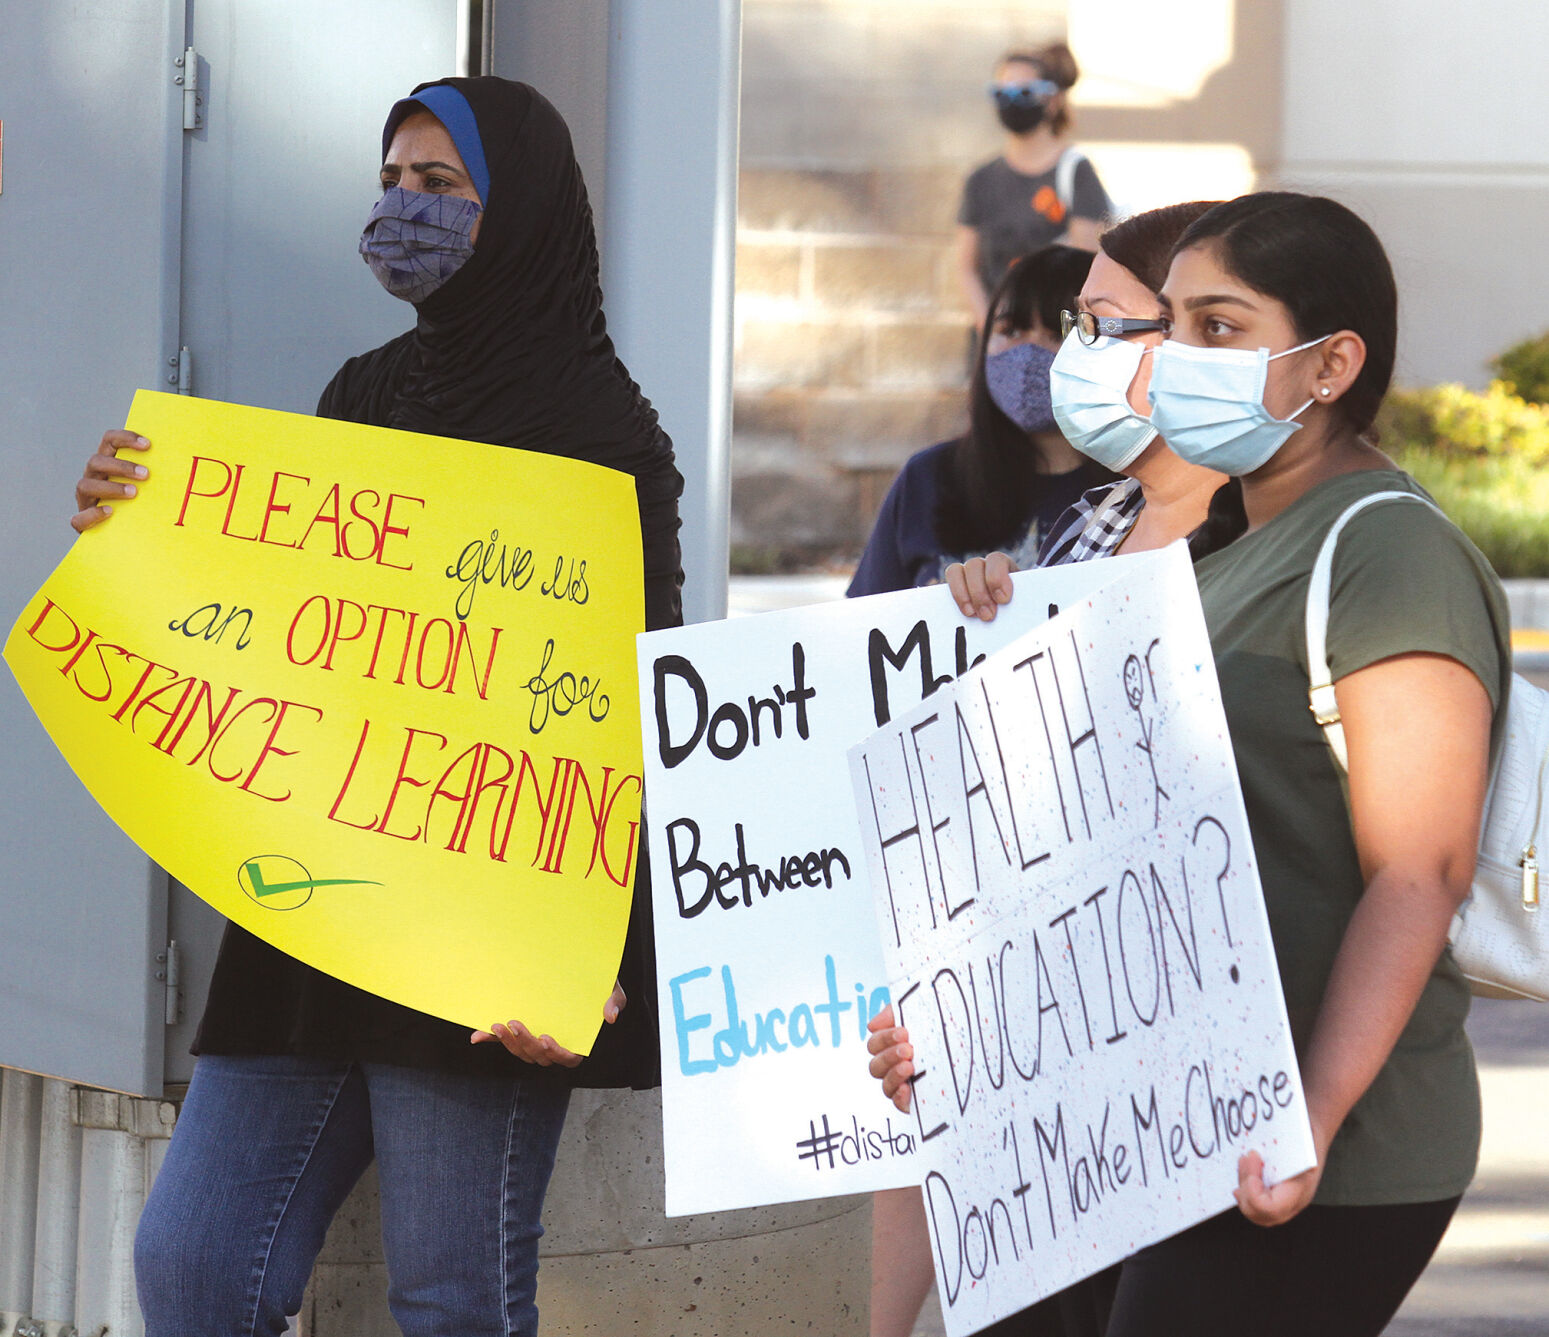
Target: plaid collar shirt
[1095,526]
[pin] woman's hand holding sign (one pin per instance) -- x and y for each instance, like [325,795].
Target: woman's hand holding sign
[892,1059]
[1275,1204]
[981,584]
[542,1049]
[98,485]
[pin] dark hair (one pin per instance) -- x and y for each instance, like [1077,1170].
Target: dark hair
[1037,287]
[1057,63]
[1144,243]
[1225,520]
[989,480]
[1324,265]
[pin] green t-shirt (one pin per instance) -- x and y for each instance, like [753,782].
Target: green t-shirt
[1404,579]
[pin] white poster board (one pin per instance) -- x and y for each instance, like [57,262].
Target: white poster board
[767,955]
[1077,942]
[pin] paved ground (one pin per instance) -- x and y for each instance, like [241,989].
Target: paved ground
[1491,1275]
[765,594]
[1490,1278]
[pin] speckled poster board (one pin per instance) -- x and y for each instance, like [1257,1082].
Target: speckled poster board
[1076,938]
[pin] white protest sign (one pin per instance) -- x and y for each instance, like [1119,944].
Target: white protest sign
[1078,945]
[768,958]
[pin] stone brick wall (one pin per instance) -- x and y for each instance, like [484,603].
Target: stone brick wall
[859,121]
[851,348]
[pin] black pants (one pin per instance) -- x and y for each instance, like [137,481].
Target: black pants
[1328,1272]
[1077,1311]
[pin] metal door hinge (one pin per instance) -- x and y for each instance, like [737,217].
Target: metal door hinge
[187,78]
[169,972]
[180,374]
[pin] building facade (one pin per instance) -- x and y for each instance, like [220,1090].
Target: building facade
[860,119]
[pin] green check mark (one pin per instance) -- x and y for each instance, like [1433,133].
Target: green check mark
[261,888]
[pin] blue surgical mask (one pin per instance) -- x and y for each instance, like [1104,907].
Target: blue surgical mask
[1090,384]
[1017,379]
[1209,405]
[414,242]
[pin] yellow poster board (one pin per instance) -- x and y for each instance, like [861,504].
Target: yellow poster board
[371,694]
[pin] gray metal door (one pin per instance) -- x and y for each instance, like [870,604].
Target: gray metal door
[281,173]
[90,190]
[125,238]
[280,179]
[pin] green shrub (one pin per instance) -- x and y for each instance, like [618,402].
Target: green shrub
[1525,369]
[1458,424]
[1501,504]
[753,559]
[1485,458]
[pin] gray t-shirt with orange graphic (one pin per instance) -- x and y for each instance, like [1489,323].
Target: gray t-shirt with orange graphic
[1014,213]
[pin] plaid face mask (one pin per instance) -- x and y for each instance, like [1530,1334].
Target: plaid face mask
[415,242]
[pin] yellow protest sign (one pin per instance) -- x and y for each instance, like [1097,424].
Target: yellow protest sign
[370,694]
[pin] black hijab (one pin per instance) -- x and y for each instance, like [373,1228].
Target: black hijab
[513,349]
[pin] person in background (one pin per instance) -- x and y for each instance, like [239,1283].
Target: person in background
[1004,482]
[1040,189]
[482,224]
[1099,384]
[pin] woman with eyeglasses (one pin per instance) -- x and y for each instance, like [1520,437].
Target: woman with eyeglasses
[1011,475]
[1098,385]
[1040,189]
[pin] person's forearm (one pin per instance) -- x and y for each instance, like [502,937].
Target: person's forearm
[968,272]
[1390,947]
[978,300]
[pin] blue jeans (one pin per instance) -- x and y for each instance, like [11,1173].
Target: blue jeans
[267,1149]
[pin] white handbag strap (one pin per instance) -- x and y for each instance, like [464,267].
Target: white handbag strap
[1065,176]
[1320,686]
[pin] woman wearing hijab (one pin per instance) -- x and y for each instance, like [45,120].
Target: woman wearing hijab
[302,1080]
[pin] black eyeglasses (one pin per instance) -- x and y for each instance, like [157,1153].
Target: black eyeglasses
[1088,326]
[1024,94]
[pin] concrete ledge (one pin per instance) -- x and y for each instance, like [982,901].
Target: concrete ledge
[1529,600]
[611,1262]
[107,1110]
[813,1279]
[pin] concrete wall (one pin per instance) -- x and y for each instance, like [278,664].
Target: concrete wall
[613,1264]
[1428,118]
[860,119]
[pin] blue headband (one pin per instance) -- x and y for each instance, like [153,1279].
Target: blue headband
[451,108]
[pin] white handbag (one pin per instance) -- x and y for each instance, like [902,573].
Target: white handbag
[1499,939]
